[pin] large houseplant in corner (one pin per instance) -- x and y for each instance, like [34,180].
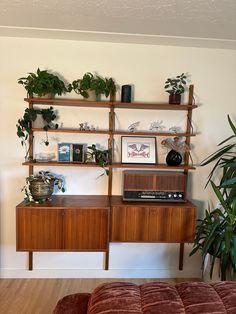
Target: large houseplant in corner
[216,233]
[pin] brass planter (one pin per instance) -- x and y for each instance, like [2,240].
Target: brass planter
[41,190]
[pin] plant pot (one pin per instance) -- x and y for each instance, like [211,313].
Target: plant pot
[91,95]
[173,158]
[41,190]
[46,96]
[175,99]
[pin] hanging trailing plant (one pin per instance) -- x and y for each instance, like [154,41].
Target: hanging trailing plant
[24,125]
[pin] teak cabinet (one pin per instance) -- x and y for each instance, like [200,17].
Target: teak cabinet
[67,223]
[152,222]
[90,223]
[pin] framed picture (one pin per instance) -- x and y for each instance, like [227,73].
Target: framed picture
[64,152]
[138,150]
[78,153]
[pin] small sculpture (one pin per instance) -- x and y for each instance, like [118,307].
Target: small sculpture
[177,147]
[157,126]
[133,126]
[177,143]
[85,127]
[175,129]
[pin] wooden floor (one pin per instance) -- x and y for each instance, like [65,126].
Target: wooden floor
[39,296]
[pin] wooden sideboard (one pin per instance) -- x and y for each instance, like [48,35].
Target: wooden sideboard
[67,223]
[88,223]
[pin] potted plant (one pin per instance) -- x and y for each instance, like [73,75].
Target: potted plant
[216,232]
[43,84]
[175,87]
[91,86]
[24,125]
[39,187]
[101,157]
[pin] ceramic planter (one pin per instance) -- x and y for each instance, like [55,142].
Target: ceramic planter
[175,99]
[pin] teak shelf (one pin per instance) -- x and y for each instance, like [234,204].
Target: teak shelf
[90,223]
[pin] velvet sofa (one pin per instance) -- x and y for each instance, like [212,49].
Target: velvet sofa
[153,298]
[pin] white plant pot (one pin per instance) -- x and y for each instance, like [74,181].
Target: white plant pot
[91,95]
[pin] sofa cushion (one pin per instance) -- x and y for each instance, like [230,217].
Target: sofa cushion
[163,298]
[73,304]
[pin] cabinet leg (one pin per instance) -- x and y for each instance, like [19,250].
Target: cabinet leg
[181,256]
[106,260]
[30,260]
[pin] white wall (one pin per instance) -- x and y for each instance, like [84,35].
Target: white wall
[214,76]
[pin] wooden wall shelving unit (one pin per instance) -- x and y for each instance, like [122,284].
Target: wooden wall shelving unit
[30,219]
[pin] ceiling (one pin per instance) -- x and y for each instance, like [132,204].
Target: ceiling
[199,23]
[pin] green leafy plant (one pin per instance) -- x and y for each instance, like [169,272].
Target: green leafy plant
[101,156]
[176,85]
[225,159]
[216,233]
[100,85]
[24,125]
[45,176]
[41,83]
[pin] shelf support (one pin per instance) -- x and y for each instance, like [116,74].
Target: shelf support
[181,256]
[110,146]
[30,260]
[106,260]
[189,126]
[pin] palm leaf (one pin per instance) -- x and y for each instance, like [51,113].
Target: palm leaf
[233,127]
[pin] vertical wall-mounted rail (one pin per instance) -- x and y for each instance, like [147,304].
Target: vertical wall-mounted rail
[186,159]
[31,171]
[189,126]
[110,146]
[31,143]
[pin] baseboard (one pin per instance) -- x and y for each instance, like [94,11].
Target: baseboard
[97,273]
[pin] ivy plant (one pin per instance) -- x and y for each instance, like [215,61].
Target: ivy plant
[24,125]
[101,156]
[45,176]
[42,82]
[100,85]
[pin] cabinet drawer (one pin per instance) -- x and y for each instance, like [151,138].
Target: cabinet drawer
[86,229]
[38,229]
[153,224]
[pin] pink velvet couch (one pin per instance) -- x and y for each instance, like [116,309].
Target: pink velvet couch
[153,298]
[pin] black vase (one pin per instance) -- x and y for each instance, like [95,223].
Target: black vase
[173,158]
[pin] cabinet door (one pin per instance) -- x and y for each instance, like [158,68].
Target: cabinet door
[152,224]
[86,229]
[39,229]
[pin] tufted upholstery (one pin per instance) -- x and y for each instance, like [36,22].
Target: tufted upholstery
[154,298]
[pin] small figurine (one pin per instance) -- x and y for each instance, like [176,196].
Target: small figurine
[81,127]
[86,126]
[157,126]
[133,126]
[175,129]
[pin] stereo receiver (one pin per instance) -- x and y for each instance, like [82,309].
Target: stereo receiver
[160,186]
